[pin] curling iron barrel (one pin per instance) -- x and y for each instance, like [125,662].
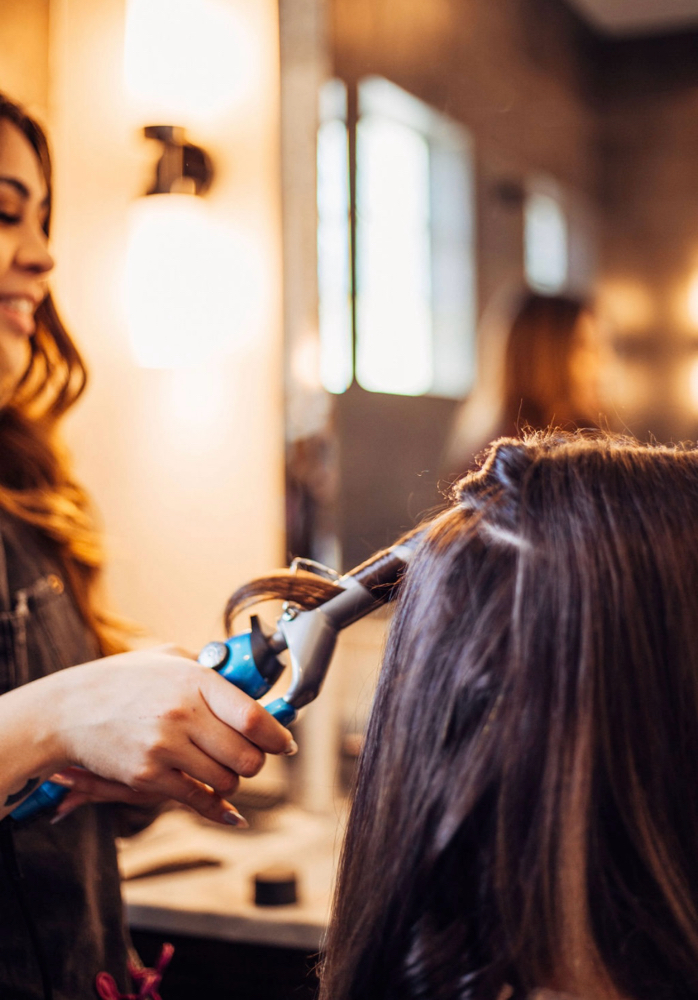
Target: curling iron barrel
[250,659]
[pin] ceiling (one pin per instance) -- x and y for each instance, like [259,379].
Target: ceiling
[638,17]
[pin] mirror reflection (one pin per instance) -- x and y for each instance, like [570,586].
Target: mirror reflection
[506,237]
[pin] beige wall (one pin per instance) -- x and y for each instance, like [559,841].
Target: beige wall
[185,466]
[24,52]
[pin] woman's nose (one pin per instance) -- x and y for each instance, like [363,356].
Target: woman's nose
[33,253]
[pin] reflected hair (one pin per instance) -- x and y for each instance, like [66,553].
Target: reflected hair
[524,376]
[525,814]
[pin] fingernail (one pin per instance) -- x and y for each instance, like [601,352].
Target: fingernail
[61,779]
[232,816]
[291,749]
[61,815]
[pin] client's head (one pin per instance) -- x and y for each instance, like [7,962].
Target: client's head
[526,813]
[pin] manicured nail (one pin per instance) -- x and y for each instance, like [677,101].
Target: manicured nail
[61,779]
[291,749]
[61,815]
[232,816]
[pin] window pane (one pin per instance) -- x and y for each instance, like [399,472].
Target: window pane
[334,285]
[394,322]
[545,243]
[453,262]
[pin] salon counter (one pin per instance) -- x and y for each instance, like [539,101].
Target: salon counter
[184,875]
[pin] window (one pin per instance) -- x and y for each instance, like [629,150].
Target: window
[546,252]
[413,304]
[333,240]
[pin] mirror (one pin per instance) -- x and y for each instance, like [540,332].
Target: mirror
[435,154]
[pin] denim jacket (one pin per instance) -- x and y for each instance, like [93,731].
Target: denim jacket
[69,870]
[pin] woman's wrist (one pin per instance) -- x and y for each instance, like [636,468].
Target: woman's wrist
[69,693]
[41,703]
[31,744]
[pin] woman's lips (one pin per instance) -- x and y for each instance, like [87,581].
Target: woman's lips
[18,311]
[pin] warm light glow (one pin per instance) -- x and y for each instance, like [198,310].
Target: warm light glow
[693,383]
[626,304]
[305,362]
[692,300]
[186,59]
[189,283]
[194,402]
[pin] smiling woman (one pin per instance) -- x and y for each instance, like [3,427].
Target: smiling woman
[24,255]
[142,726]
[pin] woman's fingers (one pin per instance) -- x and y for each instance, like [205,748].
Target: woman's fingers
[204,769]
[202,799]
[70,803]
[137,718]
[225,749]
[83,786]
[238,711]
[97,789]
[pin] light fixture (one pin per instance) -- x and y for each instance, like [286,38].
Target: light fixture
[177,262]
[183,168]
[192,276]
[186,60]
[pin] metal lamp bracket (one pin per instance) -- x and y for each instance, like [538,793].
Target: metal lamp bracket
[182,168]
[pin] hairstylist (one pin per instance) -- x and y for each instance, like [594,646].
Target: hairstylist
[145,726]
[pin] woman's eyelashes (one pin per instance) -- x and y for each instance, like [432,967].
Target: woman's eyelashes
[9,219]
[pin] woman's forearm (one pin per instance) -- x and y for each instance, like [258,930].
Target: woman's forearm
[30,746]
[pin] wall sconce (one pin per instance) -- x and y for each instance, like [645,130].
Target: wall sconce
[178,262]
[182,168]
[193,283]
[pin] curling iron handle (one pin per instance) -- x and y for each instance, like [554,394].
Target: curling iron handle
[47,796]
[282,711]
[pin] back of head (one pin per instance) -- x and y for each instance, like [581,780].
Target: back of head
[525,814]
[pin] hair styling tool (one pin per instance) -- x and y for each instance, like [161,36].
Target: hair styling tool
[250,660]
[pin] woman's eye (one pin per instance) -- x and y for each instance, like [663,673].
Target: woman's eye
[7,219]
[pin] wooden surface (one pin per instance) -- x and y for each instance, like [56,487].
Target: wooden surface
[217,902]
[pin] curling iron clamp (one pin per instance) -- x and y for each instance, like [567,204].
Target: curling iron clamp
[250,660]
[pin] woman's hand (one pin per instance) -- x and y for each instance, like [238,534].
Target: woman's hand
[84,786]
[163,726]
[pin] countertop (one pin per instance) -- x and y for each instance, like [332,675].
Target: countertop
[218,901]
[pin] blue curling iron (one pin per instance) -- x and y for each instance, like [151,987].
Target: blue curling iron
[251,662]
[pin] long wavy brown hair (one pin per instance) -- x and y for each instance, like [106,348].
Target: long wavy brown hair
[526,814]
[36,486]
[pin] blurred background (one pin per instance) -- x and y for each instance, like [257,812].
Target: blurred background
[282,363]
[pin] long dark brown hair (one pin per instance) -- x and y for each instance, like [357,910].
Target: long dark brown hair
[35,482]
[526,813]
[537,377]
[525,378]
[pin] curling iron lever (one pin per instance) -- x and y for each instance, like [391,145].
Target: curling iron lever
[250,659]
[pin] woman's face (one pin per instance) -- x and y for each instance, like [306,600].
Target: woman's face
[24,258]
